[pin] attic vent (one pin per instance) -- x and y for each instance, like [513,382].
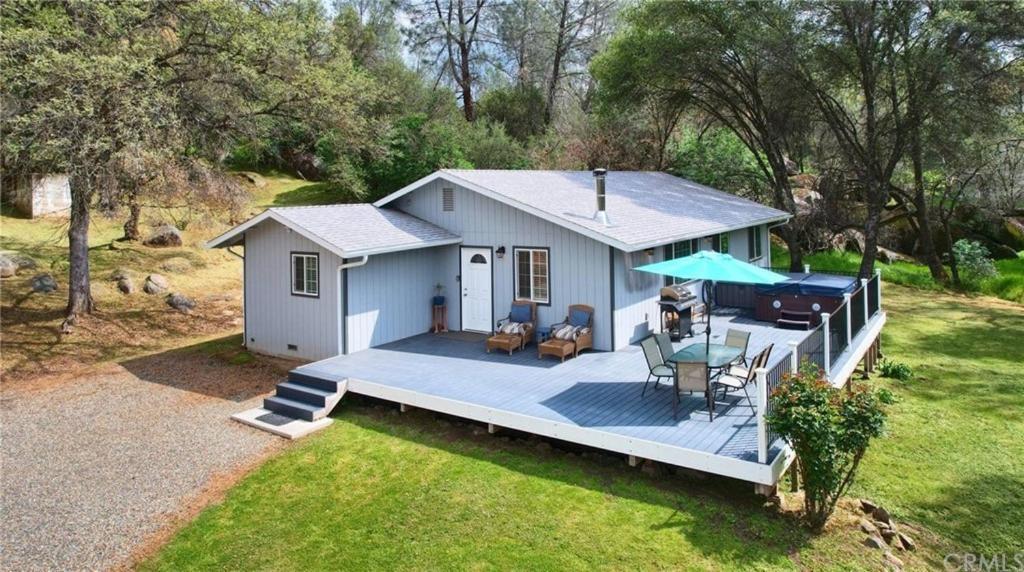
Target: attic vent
[448,200]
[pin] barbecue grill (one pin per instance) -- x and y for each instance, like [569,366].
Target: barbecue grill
[677,304]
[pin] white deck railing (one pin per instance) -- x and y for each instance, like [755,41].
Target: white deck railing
[769,379]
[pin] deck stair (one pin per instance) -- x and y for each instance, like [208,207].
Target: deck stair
[299,407]
[790,320]
[304,397]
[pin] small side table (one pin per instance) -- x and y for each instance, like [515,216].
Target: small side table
[440,319]
[543,333]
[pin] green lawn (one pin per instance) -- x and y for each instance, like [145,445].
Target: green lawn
[378,490]
[1008,285]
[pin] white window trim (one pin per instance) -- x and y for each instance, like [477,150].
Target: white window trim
[291,275]
[757,243]
[515,273]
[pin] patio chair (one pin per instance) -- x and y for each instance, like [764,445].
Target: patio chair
[656,365]
[664,340]
[572,335]
[692,376]
[516,330]
[729,381]
[738,339]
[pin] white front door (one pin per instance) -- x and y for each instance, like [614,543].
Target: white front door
[476,289]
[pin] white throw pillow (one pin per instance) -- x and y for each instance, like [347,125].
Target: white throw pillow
[512,328]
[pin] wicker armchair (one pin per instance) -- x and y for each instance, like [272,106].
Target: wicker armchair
[523,312]
[580,316]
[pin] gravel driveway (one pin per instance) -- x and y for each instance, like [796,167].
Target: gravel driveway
[95,465]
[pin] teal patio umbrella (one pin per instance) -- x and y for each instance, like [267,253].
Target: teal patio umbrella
[712,267]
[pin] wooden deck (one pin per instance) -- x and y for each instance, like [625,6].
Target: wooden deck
[592,400]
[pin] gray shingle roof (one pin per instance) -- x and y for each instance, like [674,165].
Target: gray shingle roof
[645,208]
[352,230]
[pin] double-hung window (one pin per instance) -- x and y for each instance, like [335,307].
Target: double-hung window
[755,243]
[532,275]
[679,250]
[305,274]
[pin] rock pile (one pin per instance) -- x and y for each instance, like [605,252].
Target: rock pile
[883,534]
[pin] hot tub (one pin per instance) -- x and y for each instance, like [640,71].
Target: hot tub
[814,293]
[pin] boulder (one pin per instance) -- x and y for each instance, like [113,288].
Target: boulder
[892,562]
[177,265]
[889,535]
[181,303]
[44,284]
[906,541]
[155,284]
[120,274]
[867,527]
[254,179]
[791,167]
[874,542]
[164,236]
[888,256]
[22,262]
[126,285]
[867,506]
[8,267]
[881,515]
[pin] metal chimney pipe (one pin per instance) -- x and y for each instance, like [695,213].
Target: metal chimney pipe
[599,178]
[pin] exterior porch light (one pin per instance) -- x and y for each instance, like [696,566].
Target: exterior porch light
[500,252]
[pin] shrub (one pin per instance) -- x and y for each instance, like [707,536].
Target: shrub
[896,370]
[973,262]
[829,429]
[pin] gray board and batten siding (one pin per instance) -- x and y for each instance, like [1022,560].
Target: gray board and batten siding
[274,317]
[580,271]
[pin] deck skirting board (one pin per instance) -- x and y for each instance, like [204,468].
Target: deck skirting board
[753,472]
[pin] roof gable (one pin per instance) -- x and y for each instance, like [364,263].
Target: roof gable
[349,230]
[645,208]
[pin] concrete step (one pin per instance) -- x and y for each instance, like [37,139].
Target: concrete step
[304,393]
[313,381]
[292,408]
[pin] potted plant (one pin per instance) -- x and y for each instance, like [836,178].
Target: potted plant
[438,298]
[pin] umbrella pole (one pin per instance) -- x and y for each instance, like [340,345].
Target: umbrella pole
[709,288]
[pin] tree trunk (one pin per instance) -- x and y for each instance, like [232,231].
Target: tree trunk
[466,81]
[922,214]
[796,250]
[79,291]
[871,227]
[954,269]
[131,226]
[556,64]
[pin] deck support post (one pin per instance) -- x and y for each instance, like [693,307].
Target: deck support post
[762,406]
[767,491]
[404,408]
[878,276]
[867,313]
[634,461]
[492,428]
[849,314]
[826,345]
[794,357]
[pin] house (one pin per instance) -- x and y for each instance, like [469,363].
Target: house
[349,288]
[37,195]
[328,280]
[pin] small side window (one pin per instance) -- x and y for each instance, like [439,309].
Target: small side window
[305,274]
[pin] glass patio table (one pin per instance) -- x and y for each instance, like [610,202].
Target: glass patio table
[718,355]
